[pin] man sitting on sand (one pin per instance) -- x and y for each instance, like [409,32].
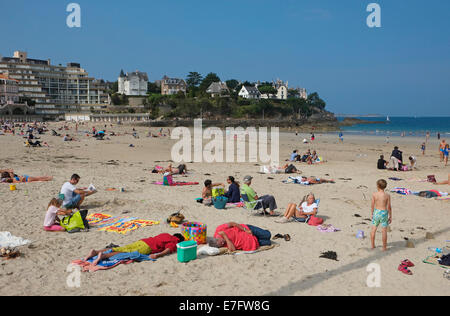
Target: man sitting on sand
[156,247]
[73,197]
[240,237]
[266,201]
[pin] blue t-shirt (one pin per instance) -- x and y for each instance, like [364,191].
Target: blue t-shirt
[293,156]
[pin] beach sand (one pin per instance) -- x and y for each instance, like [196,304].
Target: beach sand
[292,268]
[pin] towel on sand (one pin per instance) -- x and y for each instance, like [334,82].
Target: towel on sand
[117,224]
[225,251]
[176,184]
[8,240]
[122,258]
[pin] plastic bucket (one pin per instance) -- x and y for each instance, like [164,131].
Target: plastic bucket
[220,202]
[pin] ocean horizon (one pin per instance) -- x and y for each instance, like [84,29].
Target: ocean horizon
[397,125]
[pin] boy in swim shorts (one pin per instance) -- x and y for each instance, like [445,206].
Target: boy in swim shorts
[381,213]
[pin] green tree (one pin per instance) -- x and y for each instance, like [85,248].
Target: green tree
[315,101]
[267,89]
[232,84]
[153,88]
[193,79]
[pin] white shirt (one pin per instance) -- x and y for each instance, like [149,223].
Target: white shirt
[309,208]
[67,189]
[50,216]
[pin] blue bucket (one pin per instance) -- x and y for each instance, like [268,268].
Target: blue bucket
[220,202]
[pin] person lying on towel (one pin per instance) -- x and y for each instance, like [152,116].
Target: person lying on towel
[240,237]
[156,247]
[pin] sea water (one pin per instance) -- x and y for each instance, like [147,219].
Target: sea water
[401,126]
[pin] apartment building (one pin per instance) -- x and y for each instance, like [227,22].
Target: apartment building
[55,89]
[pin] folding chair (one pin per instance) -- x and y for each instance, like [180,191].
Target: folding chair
[250,206]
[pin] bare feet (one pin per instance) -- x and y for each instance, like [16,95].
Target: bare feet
[93,253]
[99,258]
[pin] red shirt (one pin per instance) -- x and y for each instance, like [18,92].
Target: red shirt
[240,239]
[162,242]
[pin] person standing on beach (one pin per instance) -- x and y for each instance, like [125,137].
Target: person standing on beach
[341,137]
[439,136]
[424,147]
[442,145]
[381,213]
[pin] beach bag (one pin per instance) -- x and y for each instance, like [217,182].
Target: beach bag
[218,192]
[315,221]
[194,231]
[177,218]
[73,222]
[431,179]
[220,202]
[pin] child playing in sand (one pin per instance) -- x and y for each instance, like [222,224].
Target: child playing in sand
[381,212]
[51,222]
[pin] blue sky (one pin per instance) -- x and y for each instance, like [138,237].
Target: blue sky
[402,68]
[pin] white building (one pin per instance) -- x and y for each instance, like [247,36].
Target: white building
[282,89]
[133,84]
[248,92]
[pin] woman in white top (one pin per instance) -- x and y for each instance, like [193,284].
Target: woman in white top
[307,208]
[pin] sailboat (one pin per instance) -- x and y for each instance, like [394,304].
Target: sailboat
[388,119]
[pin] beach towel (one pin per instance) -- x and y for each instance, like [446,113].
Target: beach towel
[395,179]
[8,240]
[122,258]
[128,226]
[327,229]
[176,183]
[225,251]
[434,260]
[117,224]
[404,191]
[296,180]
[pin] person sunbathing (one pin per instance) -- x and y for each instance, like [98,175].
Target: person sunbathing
[314,180]
[156,247]
[443,182]
[240,237]
[181,169]
[10,177]
[307,208]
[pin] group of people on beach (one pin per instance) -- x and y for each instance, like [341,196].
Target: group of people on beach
[396,163]
[308,157]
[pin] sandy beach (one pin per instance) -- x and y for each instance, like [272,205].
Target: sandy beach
[291,268]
